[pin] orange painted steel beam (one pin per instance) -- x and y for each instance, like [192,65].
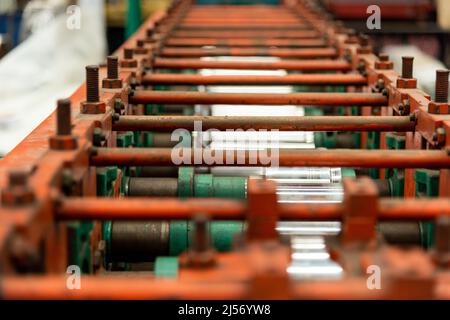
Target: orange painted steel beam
[290,79]
[148,288]
[295,158]
[292,65]
[244,26]
[309,53]
[249,34]
[309,99]
[314,123]
[198,42]
[223,209]
[116,288]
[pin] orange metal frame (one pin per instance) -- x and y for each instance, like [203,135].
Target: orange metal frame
[34,213]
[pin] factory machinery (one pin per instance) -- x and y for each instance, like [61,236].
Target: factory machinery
[327,174]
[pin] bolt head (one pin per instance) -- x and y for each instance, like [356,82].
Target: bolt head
[438,108]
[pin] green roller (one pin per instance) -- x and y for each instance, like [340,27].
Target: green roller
[222,234]
[209,186]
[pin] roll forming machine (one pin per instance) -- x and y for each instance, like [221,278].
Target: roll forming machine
[234,152]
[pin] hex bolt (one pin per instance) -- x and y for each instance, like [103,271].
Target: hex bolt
[63,117]
[113,67]
[92,84]
[150,33]
[441,91]
[384,57]
[18,178]
[201,239]
[443,236]
[407,67]
[364,40]
[128,53]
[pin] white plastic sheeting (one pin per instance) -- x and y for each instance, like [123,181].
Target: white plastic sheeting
[47,66]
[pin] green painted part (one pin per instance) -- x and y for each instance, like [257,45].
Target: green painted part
[230,187]
[396,177]
[300,88]
[154,109]
[427,182]
[185,182]
[178,237]
[223,233]
[125,139]
[166,267]
[147,139]
[208,186]
[79,245]
[427,234]
[133,18]
[203,186]
[373,143]
[105,179]
[427,185]
[325,139]
[106,230]
[188,111]
[137,138]
[357,139]
[313,111]
[348,172]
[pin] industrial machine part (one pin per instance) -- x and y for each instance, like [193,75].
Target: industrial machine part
[142,173]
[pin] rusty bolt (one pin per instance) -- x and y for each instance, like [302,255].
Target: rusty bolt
[128,53]
[407,67]
[201,253]
[201,240]
[63,140]
[441,90]
[92,84]
[63,117]
[113,67]
[18,178]
[17,192]
[150,32]
[384,57]
[363,40]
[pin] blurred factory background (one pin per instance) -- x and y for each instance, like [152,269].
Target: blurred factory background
[42,56]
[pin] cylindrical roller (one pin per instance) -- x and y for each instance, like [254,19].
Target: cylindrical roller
[384,187]
[293,65]
[310,98]
[260,80]
[142,241]
[139,241]
[401,233]
[286,158]
[152,187]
